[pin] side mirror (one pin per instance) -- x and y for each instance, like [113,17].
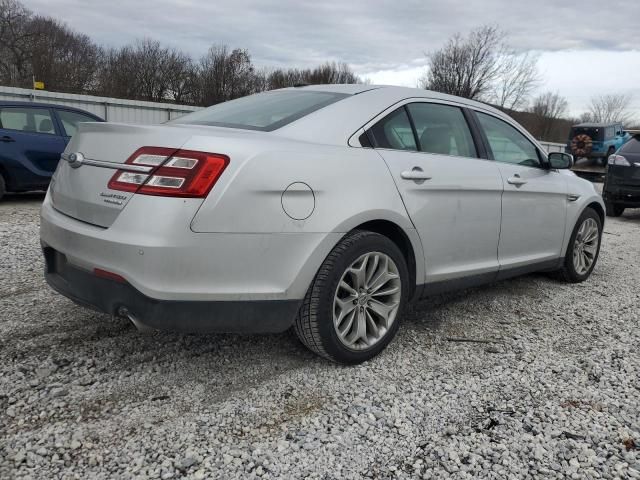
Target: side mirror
[560,160]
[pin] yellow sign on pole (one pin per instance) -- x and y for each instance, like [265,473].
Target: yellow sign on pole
[38,85]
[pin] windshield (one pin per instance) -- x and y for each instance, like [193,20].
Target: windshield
[595,133]
[264,111]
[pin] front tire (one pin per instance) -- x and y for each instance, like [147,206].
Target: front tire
[583,249]
[353,307]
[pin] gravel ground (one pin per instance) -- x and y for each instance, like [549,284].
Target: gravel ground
[552,392]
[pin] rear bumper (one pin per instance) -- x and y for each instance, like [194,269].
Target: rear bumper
[113,297]
[151,245]
[625,195]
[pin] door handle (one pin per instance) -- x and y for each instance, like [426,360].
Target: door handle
[516,180]
[415,174]
[7,139]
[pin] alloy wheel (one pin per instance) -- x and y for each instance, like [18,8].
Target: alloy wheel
[585,246]
[366,300]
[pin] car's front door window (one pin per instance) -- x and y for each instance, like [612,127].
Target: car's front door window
[508,144]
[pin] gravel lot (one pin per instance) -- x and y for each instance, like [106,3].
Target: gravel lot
[553,391]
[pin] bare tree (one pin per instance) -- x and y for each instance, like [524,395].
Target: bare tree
[466,67]
[517,79]
[224,75]
[64,60]
[15,67]
[327,73]
[482,67]
[147,71]
[547,108]
[610,108]
[118,74]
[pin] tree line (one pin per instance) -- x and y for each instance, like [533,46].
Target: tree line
[35,47]
[479,66]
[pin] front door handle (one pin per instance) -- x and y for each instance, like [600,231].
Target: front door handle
[415,174]
[7,139]
[516,180]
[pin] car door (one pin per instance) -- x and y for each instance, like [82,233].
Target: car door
[451,194]
[534,202]
[31,145]
[69,121]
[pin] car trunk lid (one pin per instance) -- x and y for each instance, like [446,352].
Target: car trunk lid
[94,154]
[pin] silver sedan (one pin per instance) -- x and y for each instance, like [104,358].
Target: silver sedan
[322,208]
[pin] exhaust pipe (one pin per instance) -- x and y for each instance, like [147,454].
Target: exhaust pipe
[141,327]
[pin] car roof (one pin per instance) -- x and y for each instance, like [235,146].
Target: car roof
[396,93]
[363,104]
[13,103]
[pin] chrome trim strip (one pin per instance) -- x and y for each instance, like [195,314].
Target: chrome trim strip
[115,166]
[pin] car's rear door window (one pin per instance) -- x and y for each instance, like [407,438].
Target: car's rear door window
[508,144]
[442,129]
[394,132]
[70,120]
[265,111]
[33,120]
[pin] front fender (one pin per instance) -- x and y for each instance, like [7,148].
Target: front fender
[587,195]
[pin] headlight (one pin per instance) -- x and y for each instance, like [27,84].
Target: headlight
[618,160]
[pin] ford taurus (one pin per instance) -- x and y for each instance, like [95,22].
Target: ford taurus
[322,208]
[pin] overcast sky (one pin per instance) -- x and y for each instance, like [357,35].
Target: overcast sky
[586,47]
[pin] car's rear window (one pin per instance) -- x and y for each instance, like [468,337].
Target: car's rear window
[632,146]
[596,133]
[264,111]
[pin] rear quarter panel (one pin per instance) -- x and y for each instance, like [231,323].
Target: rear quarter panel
[350,186]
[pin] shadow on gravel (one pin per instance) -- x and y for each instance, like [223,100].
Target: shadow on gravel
[26,197]
[432,313]
[630,215]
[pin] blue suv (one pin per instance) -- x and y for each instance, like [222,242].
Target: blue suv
[596,140]
[32,137]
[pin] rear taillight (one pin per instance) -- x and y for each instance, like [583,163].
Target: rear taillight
[618,160]
[171,172]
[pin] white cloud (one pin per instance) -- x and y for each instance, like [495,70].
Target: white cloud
[403,77]
[579,75]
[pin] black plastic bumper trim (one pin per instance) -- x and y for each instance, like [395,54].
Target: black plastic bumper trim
[110,296]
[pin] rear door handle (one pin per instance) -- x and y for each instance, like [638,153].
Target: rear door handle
[415,174]
[516,180]
[7,139]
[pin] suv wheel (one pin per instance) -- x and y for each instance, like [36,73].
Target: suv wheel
[614,210]
[583,249]
[353,307]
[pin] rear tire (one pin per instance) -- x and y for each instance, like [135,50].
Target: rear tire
[363,283]
[583,249]
[614,210]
